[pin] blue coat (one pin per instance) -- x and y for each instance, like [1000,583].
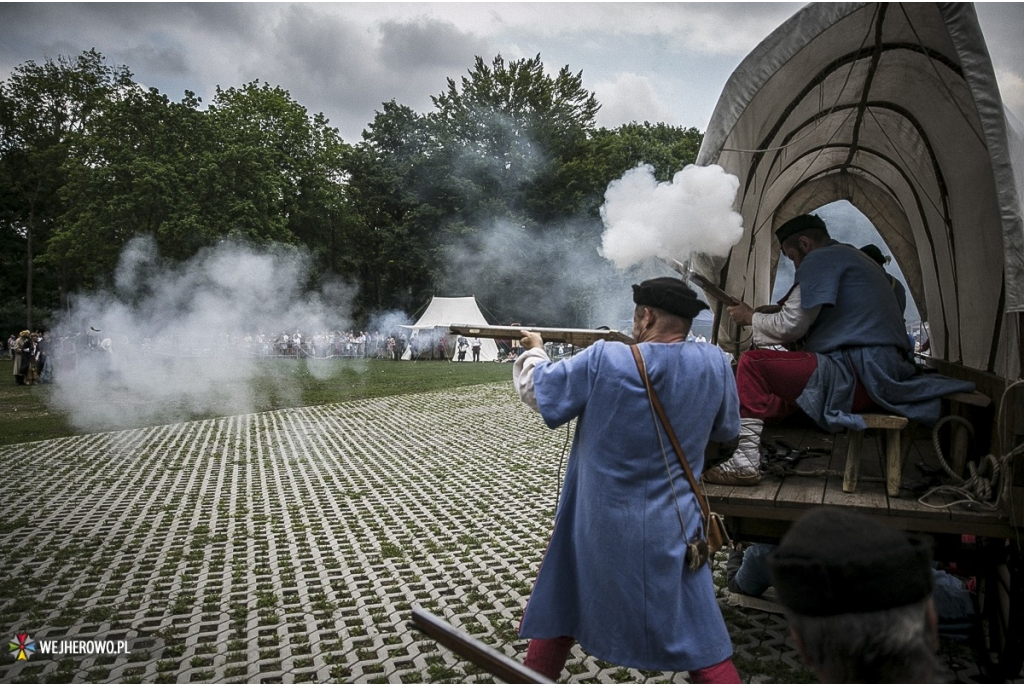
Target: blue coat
[614,575]
[860,334]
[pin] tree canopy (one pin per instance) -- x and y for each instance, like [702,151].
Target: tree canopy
[508,163]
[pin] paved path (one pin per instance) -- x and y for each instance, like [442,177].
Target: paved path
[288,546]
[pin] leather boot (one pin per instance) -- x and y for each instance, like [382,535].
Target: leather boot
[744,467]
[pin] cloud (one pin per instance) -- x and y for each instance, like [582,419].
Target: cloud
[1011,89]
[345,59]
[423,43]
[720,28]
[347,69]
[630,97]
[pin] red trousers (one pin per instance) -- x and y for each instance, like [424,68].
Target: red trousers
[769,381]
[548,658]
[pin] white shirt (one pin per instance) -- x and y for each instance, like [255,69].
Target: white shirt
[788,325]
[522,375]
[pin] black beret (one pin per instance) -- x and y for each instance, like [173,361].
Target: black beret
[875,253]
[833,561]
[799,223]
[670,294]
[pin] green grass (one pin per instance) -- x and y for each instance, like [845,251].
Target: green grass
[27,413]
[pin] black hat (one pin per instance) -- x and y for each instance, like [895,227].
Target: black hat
[800,223]
[875,253]
[670,294]
[833,561]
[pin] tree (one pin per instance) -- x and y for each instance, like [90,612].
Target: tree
[609,153]
[510,128]
[270,152]
[254,167]
[144,164]
[400,196]
[44,109]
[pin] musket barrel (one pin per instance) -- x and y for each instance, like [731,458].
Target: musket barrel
[580,337]
[471,649]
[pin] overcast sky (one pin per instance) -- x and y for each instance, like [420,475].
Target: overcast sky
[657,62]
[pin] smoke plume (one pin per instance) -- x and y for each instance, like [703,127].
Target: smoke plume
[644,218]
[177,333]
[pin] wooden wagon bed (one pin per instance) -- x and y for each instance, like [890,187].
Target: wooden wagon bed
[764,511]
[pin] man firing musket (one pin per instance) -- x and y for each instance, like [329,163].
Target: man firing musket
[618,554]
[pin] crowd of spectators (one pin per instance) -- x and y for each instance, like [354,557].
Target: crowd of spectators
[30,352]
[64,351]
[319,345]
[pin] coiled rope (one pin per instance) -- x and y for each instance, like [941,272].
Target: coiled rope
[983,486]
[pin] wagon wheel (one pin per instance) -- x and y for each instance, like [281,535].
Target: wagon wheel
[1000,607]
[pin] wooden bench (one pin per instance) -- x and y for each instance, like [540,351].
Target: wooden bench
[893,427]
[896,446]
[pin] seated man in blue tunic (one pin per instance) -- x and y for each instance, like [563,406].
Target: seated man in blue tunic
[615,576]
[844,315]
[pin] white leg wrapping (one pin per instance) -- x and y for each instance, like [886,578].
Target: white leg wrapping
[744,466]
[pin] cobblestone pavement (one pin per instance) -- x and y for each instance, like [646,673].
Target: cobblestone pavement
[288,546]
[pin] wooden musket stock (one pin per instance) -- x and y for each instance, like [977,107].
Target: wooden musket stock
[580,337]
[471,649]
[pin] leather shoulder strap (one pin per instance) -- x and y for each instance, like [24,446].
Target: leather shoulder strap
[660,411]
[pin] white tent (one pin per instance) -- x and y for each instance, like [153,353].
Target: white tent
[895,109]
[433,325]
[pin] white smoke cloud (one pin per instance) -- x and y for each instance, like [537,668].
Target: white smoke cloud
[693,213]
[177,333]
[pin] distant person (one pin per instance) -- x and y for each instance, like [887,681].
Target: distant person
[881,260]
[858,595]
[463,347]
[29,360]
[475,343]
[44,361]
[17,352]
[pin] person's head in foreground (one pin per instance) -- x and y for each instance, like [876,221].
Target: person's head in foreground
[858,597]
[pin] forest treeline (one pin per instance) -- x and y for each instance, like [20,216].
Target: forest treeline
[89,160]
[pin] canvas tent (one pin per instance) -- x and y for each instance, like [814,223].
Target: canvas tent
[441,313]
[894,108]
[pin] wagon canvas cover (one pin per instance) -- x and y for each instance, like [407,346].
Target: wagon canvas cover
[894,108]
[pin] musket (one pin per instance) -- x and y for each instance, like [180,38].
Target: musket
[471,649]
[580,337]
[704,284]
